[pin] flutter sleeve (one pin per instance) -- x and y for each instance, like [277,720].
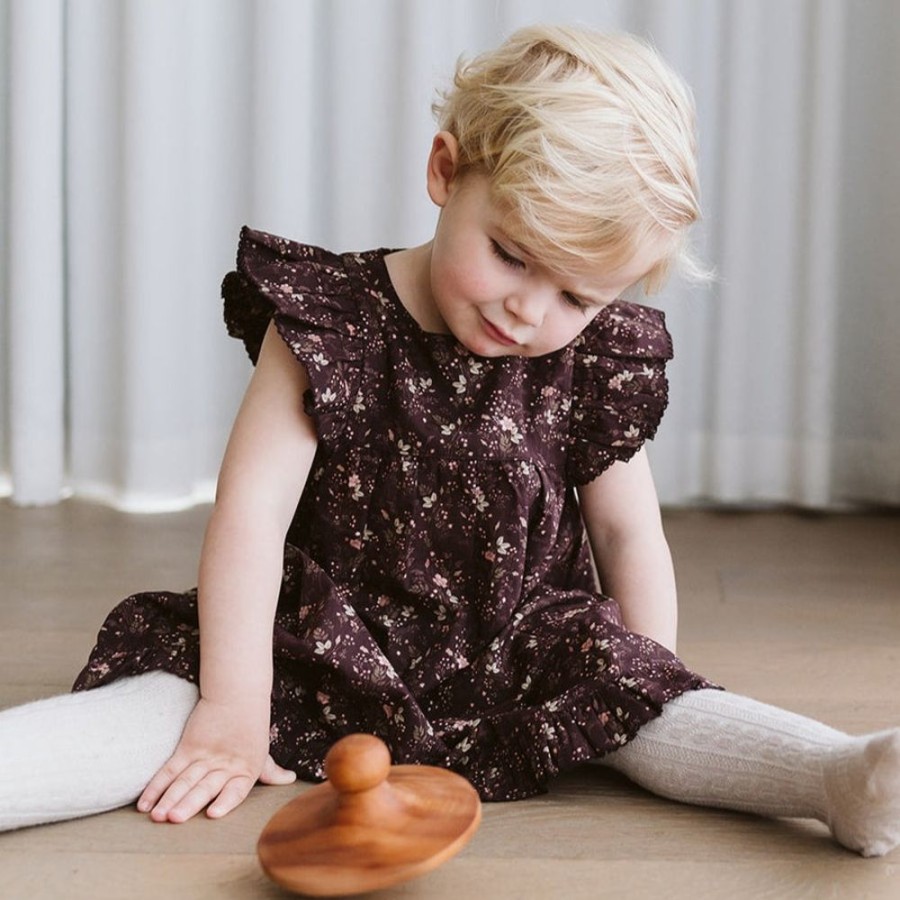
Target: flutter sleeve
[307,292]
[619,388]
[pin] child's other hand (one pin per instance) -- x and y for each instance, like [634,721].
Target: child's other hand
[222,754]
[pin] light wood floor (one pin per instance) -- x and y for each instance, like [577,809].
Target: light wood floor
[799,611]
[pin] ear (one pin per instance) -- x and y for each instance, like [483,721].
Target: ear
[443,164]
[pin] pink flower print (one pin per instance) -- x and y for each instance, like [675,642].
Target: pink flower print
[440,580]
[616,382]
[508,426]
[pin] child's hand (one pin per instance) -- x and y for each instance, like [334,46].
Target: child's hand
[221,755]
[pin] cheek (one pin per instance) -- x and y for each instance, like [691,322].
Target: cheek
[462,280]
[563,330]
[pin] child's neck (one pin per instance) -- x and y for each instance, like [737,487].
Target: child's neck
[410,274]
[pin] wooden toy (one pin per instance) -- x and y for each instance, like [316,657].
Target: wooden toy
[370,825]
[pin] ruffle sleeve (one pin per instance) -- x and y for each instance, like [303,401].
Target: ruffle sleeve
[307,292]
[619,388]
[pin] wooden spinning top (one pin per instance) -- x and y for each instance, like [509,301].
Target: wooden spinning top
[370,825]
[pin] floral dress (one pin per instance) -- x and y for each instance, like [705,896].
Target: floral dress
[437,587]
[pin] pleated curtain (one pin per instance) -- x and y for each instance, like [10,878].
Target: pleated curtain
[141,134]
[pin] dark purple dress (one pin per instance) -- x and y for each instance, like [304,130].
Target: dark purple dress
[437,587]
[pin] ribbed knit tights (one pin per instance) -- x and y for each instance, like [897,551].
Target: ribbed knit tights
[79,754]
[713,748]
[85,753]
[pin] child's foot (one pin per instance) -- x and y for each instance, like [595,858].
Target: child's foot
[863,790]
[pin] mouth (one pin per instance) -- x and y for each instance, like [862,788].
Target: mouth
[498,334]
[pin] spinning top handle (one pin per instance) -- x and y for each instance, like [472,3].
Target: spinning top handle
[357,763]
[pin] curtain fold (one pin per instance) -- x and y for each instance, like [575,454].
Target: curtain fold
[35,251]
[141,134]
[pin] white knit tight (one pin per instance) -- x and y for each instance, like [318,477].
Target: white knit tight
[79,754]
[84,753]
[714,748]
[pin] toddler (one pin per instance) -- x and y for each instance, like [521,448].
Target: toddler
[433,444]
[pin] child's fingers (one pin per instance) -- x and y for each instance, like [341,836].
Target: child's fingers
[159,783]
[231,795]
[199,796]
[181,789]
[188,781]
[272,773]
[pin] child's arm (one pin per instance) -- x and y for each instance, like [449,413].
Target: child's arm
[621,513]
[224,748]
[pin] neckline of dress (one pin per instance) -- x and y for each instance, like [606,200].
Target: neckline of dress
[401,311]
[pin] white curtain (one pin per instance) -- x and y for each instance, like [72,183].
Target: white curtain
[140,135]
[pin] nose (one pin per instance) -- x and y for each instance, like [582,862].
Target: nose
[528,307]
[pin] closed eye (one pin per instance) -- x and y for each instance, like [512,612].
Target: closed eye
[512,261]
[575,302]
[515,263]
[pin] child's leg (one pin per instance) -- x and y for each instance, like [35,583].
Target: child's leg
[719,749]
[88,752]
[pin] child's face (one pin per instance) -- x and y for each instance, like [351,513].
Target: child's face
[497,300]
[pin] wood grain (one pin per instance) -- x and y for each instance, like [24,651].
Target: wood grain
[797,610]
[370,826]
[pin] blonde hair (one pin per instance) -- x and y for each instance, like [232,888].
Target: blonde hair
[588,140]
